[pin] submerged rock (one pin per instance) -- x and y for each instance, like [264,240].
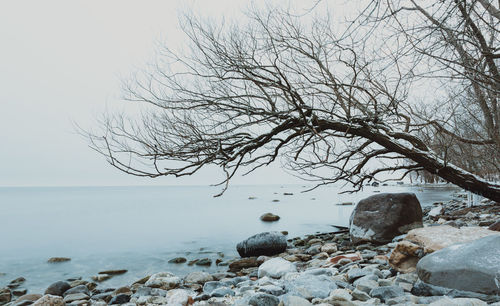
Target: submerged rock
[269,217]
[178,260]
[267,243]
[58,259]
[113,272]
[472,266]
[380,218]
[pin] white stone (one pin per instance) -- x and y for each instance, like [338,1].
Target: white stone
[276,268]
[291,300]
[198,277]
[178,297]
[329,248]
[436,211]
[446,301]
[164,280]
[340,295]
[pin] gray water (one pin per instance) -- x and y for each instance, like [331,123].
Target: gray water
[141,228]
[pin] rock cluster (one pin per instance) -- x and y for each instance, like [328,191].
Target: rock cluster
[322,269]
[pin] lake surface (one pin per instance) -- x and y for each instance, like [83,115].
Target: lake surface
[141,228]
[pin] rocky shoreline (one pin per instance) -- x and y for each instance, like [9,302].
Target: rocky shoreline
[319,269]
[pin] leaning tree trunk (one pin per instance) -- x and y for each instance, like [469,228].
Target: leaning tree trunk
[418,153]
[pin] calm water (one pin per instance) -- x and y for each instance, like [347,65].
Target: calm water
[141,228]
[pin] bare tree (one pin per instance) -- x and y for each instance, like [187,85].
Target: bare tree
[326,101]
[457,44]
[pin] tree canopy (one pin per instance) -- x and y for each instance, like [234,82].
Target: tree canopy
[412,85]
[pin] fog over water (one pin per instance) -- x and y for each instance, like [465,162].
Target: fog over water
[141,228]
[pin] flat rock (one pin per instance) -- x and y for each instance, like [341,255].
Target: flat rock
[446,301]
[198,277]
[386,292]
[243,263]
[381,217]
[267,243]
[471,266]
[77,289]
[495,226]
[292,300]
[75,297]
[163,280]
[422,241]
[113,272]
[29,297]
[263,299]
[309,286]
[58,259]
[276,268]
[177,260]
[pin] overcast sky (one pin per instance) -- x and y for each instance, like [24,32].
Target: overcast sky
[62,62]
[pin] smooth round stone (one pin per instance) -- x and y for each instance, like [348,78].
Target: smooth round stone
[58,288]
[269,217]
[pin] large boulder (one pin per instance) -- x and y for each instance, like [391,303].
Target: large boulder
[267,243]
[472,266]
[380,218]
[421,241]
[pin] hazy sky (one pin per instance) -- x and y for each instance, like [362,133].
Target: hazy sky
[62,62]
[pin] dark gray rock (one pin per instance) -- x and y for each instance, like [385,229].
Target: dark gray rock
[178,260]
[380,218]
[120,299]
[422,289]
[19,291]
[267,243]
[209,287]
[387,292]
[356,273]
[221,292]
[263,299]
[58,288]
[204,262]
[77,289]
[104,296]
[272,289]
[16,282]
[472,266]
